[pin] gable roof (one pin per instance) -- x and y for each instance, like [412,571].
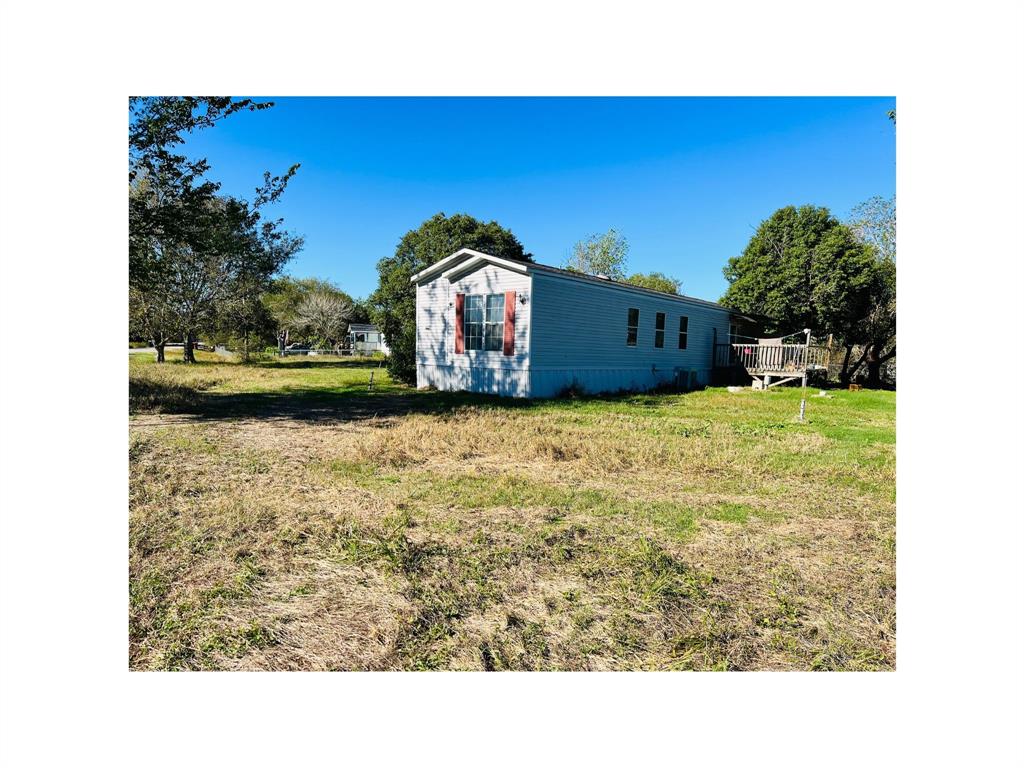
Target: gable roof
[466,260]
[362,328]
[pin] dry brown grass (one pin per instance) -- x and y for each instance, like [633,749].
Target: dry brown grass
[705,531]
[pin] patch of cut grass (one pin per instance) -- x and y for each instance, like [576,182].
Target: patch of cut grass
[729,512]
[288,518]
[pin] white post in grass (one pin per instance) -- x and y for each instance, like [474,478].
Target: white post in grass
[803,382]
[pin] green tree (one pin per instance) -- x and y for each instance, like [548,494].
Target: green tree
[873,223]
[361,311]
[393,304]
[804,269]
[288,303]
[176,188]
[261,250]
[207,258]
[656,281]
[600,255]
[215,282]
[150,317]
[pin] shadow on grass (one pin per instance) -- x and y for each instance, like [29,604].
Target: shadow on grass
[302,404]
[305,362]
[157,394]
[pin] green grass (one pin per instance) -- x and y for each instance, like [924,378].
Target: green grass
[284,515]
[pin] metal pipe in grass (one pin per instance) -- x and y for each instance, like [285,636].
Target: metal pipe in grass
[803,381]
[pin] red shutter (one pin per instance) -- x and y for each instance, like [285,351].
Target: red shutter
[460,344]
[510,323]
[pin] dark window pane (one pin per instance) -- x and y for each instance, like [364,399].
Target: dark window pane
[684,322]
[659,321]
[659,339]
[494,335]
[632,321]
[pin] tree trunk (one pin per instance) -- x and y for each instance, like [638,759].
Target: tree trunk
[875,361]
[282,341]
[874,364]
[158,344]
[851,372]
[189,351]
[245,346]
[844,374]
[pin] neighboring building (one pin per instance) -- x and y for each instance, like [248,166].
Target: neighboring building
[365,339]
[486,324]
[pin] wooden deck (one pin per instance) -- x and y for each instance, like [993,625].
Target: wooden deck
[767,361]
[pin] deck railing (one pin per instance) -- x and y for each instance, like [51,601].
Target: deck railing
[775,358]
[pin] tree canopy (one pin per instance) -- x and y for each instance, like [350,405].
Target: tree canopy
[608,255]
[656,281]
[873,222]
[312,310]
[198,260]
[803,269]
[393,304]
[600,255]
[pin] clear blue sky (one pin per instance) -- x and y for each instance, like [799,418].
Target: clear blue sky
[686,180]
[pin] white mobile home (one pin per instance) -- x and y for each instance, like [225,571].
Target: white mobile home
[365,339]
[516,328]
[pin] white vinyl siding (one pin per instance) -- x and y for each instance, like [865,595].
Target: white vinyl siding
[477,370]
[577,332]
[434,322]
[567,330]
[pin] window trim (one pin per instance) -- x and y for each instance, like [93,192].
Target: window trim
[483,324]
[632,328]
[684,331]
[659,333]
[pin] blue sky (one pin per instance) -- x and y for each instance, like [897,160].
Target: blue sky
[686,180]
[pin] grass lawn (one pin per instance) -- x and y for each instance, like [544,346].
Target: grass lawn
[282,516]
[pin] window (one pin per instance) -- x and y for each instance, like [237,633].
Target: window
[734,333]
[474,320]
[494,325]
[484,319]
[659,330]
[684,325]
[632,326]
